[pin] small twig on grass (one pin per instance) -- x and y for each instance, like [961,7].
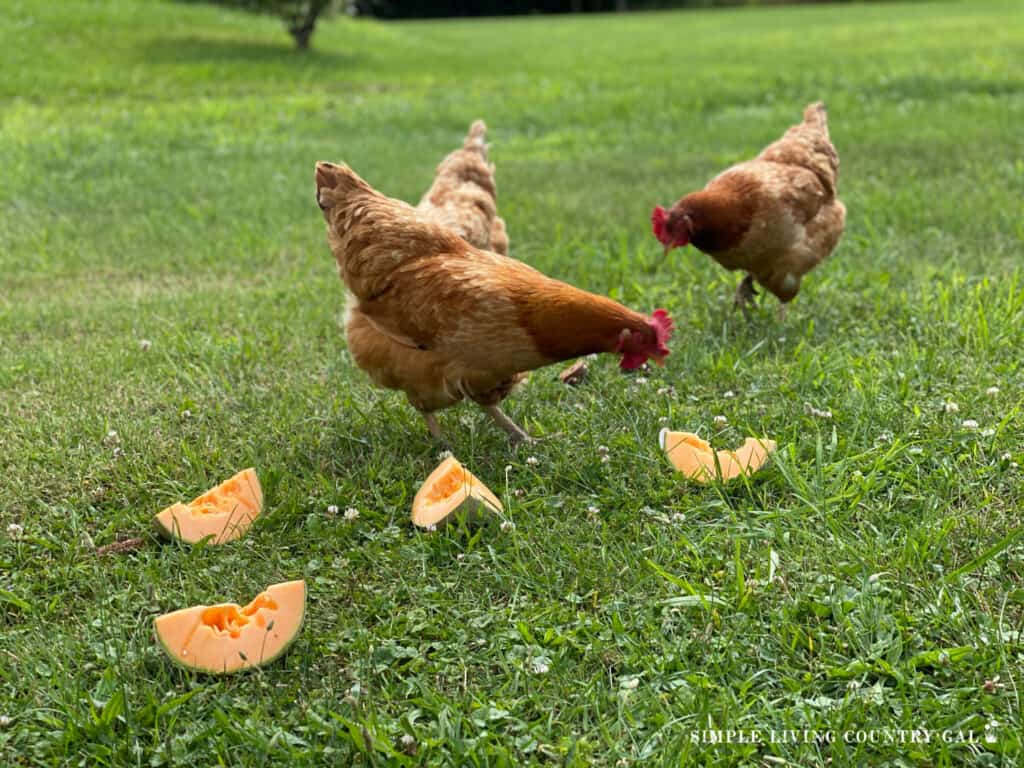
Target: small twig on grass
[120,547]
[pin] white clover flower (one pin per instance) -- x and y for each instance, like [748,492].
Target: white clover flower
[533,461]
[15,531]
[461,556]
[507,525]
[431,528]
[630,684]
[678,517]
[606,459]
[539,666]
[721,420]
[663,419]
[508,468]
[729,395]
[351,514]
[1006,456]
[408,741]
[145,344]
[444,455]
[951,407]
[640,380]
[987,432]
[915,450]
[5,721]
[332,509]
[817,413]
[518,493]
[602,449]
[885,437]
[992,391]
[969,424]
[594,510]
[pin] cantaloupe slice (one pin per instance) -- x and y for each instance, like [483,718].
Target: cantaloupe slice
[221,639]
[696,459]
[223,513]
[451,489]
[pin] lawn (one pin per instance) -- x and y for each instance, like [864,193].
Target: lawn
[170,313]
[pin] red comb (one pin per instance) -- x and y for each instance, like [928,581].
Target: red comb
[663,327]
[658,218]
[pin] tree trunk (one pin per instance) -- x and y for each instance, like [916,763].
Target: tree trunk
[301,27]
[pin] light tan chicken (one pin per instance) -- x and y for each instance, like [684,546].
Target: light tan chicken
[433,316]
[463,196]
[776,217]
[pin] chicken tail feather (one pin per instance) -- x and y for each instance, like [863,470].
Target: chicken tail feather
[477,136]
[816,115]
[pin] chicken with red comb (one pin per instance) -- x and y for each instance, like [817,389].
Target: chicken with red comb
[443,321]
[775,217]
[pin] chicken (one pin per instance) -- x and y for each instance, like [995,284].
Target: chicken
[441,320]
[463,196]
[776,217]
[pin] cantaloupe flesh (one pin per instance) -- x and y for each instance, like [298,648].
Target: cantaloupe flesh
[451,488]
[220,639]
[696,459]
[223,513]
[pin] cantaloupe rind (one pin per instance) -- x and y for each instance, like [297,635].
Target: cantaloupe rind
[220,515]
[698,461]
[227,638]
[452,491]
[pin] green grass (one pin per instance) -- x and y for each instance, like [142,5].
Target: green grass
[157,183]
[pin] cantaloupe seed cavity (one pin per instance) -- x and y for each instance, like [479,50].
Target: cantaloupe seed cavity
[230,620]
[448,486]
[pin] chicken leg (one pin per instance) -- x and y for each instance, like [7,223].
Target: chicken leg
[434,427]
[516,433]
[745,293]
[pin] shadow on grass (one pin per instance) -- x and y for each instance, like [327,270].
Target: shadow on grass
[190,49]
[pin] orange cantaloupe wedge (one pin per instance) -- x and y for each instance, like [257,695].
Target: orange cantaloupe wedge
[222,514]
[226,638]
[452,489]
[696,459]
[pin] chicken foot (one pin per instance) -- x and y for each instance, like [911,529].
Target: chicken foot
[516,433]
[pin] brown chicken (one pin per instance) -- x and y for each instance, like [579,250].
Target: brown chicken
[463,196]
[776,217]
[433,316]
